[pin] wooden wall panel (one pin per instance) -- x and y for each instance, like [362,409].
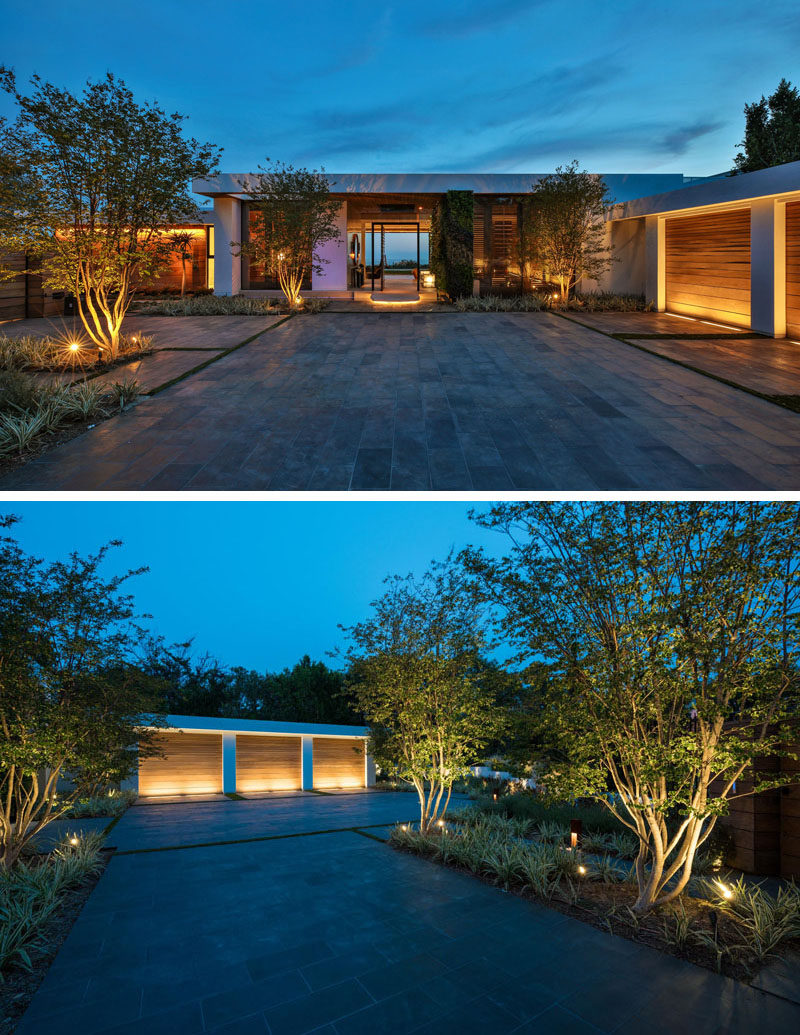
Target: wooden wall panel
[192,765]
[793,270]
[13,304]
[339,762]
[268,763]
[708,266]
[196,272]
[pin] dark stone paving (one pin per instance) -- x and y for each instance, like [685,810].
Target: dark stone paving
[158,826]
[435,401]
[339,934]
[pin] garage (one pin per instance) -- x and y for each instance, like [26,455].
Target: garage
[707,266]
[268,763]
[793,270]
[338,762]
[192,764]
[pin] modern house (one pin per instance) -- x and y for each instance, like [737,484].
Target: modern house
[371,204]
[724,248]
[223,756]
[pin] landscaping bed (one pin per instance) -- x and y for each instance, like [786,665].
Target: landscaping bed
[40,900]
[223,305]
[722,925]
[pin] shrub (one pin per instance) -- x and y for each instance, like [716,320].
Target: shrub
[532,806]
[529,303]
[608,301]
[767,922]
[212,305]
[112,804]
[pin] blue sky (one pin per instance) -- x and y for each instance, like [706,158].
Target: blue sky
[256,584]
[624,86]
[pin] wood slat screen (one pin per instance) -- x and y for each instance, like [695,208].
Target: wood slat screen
[793,270]
[708,266]
[338,762]
[192,765]
[13,303]
[268,763]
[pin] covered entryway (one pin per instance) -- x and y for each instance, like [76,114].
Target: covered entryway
[191,764]
[707,262]
[266,763]
[793,270]
[339,762]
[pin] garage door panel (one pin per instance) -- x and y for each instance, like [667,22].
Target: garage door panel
[707,262]
[793,269]
[192,764]
[268,763]
[338,762]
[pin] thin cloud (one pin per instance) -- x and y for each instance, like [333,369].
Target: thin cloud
[475,17]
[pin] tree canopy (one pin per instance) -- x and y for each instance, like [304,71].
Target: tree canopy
[771,130]
[93,182]
[564,231]
[71,695]
[296,215]
[670,634]
[415,671]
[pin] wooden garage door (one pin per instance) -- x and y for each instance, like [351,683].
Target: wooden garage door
[793,270]
[338,762]
[192,764]
[268,763]
[708,266]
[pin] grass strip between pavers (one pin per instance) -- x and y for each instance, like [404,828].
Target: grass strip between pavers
[786,402]
[256,840]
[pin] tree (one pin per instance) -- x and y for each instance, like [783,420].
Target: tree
[565,234]
[97,179]
[415,675]
[771,130]
[296,215]
[71,698]
[183,243]
[671,635]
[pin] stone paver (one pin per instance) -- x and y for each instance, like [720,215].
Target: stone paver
[442,401]
[340,934]
[159,826]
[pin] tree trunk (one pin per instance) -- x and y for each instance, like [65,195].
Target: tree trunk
[183,276]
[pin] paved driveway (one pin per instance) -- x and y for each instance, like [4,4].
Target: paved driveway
[337,933]
[474,401]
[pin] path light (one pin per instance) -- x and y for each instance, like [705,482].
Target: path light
[582,870]
[724,890]
[74,346]
[73,840]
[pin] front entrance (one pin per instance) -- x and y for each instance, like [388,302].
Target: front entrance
[392,283]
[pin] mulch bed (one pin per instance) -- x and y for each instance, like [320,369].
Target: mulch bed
[19,986]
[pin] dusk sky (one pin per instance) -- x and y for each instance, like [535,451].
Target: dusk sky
[256,584]
[523,86]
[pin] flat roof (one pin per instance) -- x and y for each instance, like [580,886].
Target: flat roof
[622,186]
[724,190]
[200,723]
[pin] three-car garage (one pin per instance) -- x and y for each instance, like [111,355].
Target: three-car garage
[195,755]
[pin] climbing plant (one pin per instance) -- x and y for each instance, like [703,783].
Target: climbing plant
[451,243]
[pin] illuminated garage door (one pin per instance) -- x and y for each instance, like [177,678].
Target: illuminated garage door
[793,270]
[268,763]
[708,266]
[192,764]
[338,762]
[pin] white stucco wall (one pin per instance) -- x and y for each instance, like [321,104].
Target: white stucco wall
[333,257]
[227,229]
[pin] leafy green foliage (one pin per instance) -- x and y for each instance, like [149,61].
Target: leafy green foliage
[211,305]
[566,211]
[671,635]
[772,130]
[71,699]
[296,216]
[501,303]
[451,244]
[31,892]
[415,672]
[92,183]
[112,804]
